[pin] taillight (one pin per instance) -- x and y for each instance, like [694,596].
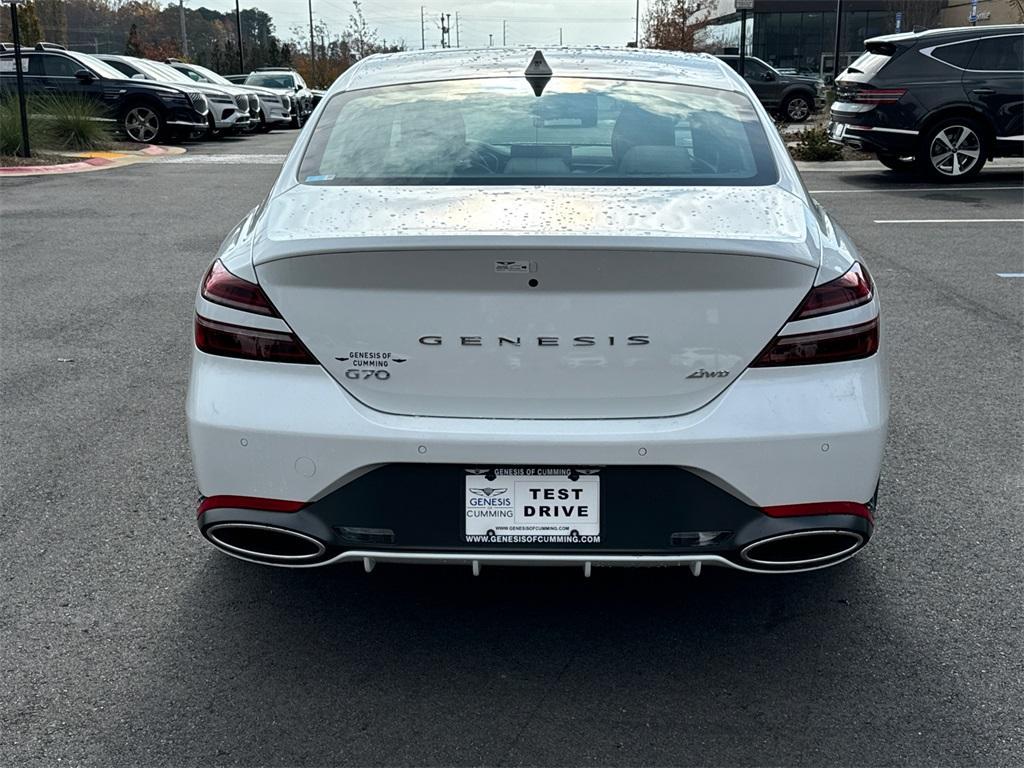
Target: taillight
[244,342]
[226,340]
[832,345]
[849,290]
[222,287]
[248,502]
[877,95]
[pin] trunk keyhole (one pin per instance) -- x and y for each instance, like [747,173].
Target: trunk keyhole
[533,282]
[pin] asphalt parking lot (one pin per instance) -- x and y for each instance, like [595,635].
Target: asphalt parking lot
[126,640]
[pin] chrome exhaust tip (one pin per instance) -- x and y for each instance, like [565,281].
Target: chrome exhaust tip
[264,543]
[803,549]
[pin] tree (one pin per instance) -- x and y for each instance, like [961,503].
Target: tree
[360,36]
[133,47]
[53,20]
[28,24]
[675,25]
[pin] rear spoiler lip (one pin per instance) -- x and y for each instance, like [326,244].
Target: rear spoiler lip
[806,252]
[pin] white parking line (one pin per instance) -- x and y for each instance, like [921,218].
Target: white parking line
[239,159]
[908,189]
[1009,274]
[947,221]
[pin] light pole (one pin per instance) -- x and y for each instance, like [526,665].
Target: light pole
[835,53]
[24,150]
[238,27]
[312,45]
[184,32]
[636,38]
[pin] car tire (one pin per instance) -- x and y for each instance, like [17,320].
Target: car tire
[142,123]
[211,131]
[897,163]
[797,107]
[264,126]
[953,149]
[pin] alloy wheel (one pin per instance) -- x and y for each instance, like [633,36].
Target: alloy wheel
[141,124]
[955,150]
[798,109]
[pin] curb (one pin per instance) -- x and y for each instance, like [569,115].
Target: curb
[93,161]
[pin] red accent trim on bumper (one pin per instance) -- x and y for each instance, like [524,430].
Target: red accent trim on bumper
[821,508]
[249,502]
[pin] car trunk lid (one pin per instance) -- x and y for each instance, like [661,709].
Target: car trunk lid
[601,314]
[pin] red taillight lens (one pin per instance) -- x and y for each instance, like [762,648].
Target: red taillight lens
[250,343]
[831,346]
[222,287]
[878,95]
[847,291]
[821,508]
[249,502]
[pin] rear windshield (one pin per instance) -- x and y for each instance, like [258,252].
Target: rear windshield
[869,63]
[279,80]
[577,131]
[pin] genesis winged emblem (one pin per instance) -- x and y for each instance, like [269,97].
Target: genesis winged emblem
[488,491]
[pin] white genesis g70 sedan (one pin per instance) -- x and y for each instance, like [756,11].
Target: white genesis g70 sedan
[554,307]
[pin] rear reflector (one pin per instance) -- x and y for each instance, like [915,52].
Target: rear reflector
[248,502]
[820,508]
[250,343]
[222,287]
[831,346]
[851,289]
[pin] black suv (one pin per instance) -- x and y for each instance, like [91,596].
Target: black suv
[793,97]
[942,102]
[145,110]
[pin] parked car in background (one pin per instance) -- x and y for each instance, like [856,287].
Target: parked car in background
[793,97]
[286,82]
[145,110]
[274,108]
[941,102]
[229,112]
[237,79]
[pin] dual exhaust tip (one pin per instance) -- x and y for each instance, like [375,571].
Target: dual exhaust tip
[265,543]
[801,550]
[795,551]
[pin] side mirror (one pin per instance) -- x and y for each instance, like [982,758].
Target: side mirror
[767,76]
[138,76]
[84,76]
[298,87]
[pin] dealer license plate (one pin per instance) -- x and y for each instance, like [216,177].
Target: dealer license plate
[838,130]
[533,506]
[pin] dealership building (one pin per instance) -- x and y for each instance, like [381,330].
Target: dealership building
[800,34]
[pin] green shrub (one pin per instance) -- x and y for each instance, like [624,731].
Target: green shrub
[10,127]
[55,122]
[73,123]
[813,144]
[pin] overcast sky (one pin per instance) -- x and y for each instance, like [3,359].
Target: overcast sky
[529,22]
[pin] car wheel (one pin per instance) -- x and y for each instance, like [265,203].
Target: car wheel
[142,123]
[954,149]
[897,163]
[264,126]
[796,108]
[211,129]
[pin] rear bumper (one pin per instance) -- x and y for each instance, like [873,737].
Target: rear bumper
[778,436]
[649,516]
[866,127]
